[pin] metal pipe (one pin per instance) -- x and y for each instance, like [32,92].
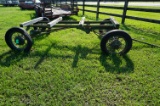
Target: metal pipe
[89,26]
[31,22]
[86,22]
[54,22]
[145,43]
[82,21]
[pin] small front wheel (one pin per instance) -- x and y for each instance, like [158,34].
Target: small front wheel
[18,39]
[116,42]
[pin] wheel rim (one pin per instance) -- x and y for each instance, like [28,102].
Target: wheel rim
[19,40]
[116,44]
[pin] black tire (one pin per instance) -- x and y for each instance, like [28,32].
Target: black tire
[18,39]
[116,42]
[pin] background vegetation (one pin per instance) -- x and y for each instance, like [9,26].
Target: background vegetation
[67,67]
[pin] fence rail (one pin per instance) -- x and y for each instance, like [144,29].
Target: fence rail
[125,8]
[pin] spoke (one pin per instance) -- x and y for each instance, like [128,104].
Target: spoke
[116,44]
[18,46]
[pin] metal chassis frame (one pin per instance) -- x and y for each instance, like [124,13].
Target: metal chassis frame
[109,24]
[41,24]
[87,26]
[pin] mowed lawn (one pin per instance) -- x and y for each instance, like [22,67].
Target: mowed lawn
[67,67]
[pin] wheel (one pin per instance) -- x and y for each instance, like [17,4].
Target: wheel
[116,42]
[18,39]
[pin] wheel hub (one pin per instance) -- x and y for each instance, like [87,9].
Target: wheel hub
[19,40]
[115,44]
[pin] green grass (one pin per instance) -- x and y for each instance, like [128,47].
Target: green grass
[67,67]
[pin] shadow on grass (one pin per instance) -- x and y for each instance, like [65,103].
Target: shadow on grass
[117,64]
[10,57]
[143,33]
[45,53]
[80,52]
[111,63]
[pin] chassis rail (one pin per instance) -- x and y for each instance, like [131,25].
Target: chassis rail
[113,41]
[88,25]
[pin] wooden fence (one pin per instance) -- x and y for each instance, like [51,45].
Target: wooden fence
[125,8]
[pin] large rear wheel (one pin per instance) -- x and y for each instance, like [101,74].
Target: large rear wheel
[116,42]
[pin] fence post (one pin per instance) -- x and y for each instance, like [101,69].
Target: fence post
[97,13]
[56,2]
[72,4]
[124,11]
[83,6]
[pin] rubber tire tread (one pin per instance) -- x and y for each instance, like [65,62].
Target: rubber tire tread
[8,39]
[121,33]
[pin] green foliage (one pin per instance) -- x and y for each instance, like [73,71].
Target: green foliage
[67,67]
